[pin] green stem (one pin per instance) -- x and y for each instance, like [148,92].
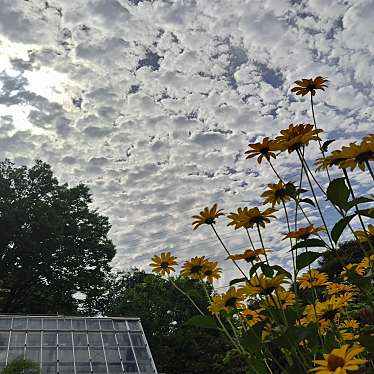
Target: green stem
[370,169]
[228,252]
[250,239]
[275,172]
[262,243]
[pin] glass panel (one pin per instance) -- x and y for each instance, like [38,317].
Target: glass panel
[79,324]
[137,339]
[4,338]
[34,324]
[127,354]
[133,325]
[15,353]
[33,354]
[115,368]
[65,354]
[83,368]
[123,339]
[146,366]
[99,368]
[49,369]
[81,354]
[112,355]
[130,368]
[19,324]
[92,324]
[80,339]
[66,368]
[109,339]
[94,338]
[106,324]
[65,339]
[120,325]
[3,352]
[5,323]
[50,324]
[141,354]
[17,339]
[64,324]
[49,354]
[97,355]
[49,339]
[33,339]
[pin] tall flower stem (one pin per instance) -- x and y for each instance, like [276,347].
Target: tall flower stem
[356,209]
[227,251]
[293,255]
[315,126]
[275,172]
[315,198]
[262,243]
[186,295]
[370,169]
[250,239]
[300,184]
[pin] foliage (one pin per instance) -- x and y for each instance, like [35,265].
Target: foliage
[20,366]
[52,244]
[313,320]
[176,347]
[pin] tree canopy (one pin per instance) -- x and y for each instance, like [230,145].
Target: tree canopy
[52,244]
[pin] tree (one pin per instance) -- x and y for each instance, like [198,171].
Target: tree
[52,245]
[176,347]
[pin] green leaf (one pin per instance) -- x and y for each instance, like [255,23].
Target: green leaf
[291,338]
[205,322]
[259,365]
[368,342]
[338,192]
[360,200]
[309,243]
[281,270]
[290,189]
[305,259]
[339,227]
[326,144]
[266,269]
[251,342]
[308,201]
[363,283]
[236,280]
[367,212]
[254,269]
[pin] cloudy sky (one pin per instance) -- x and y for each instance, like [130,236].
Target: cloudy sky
[153,103]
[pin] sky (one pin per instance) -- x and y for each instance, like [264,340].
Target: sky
[152,104]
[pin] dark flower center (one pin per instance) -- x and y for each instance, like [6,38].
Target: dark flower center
[329,315]
[208,272]
[164,265]
[335,362]
[267,290]
[265,150]
[311,87]
[280,193]
[231,302]
[196,269]
[209,221]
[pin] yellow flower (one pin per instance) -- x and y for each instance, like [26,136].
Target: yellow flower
[164,263]
[358,268]
[249,217]
[294,137]
[194,268]
[338,288]
[263,149]
[232,299]
[305,86]
[275,194]
[340,361]
[281,299]
[249,255]
[313,278]
[211,271]
[346,329]
[334,159]
[262,285]
[207,216]
[252,316]
[366,263]
[304,232]
[357,155]
[362,236]
[349,324]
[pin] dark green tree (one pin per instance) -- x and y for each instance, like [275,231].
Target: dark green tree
[52,244]
[21,366]
[176,347]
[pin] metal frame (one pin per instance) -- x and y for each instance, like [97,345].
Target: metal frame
[126,330]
